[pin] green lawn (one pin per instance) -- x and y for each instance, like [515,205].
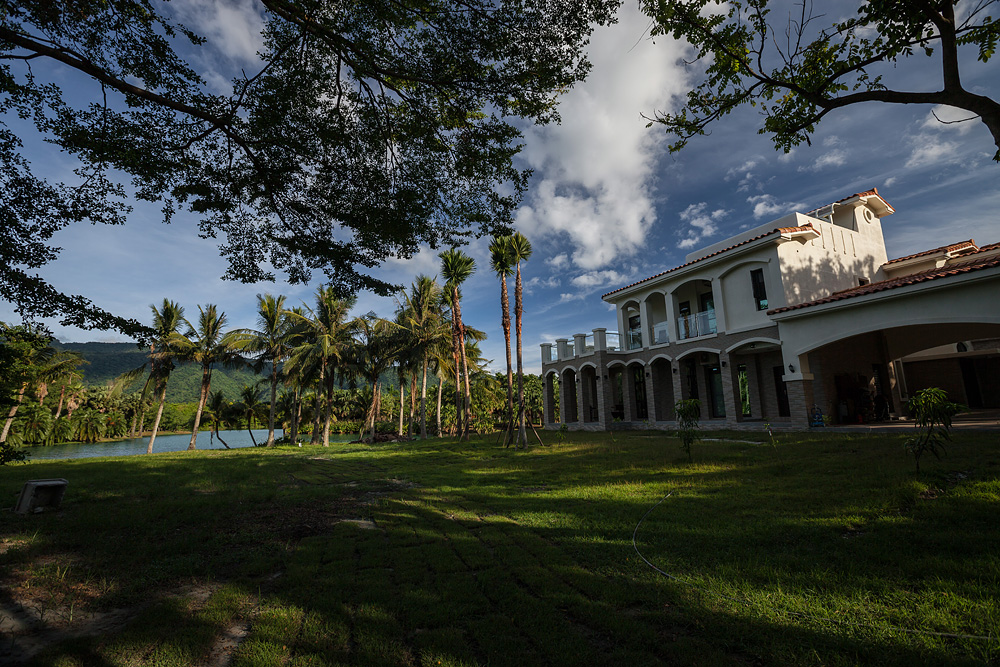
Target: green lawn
[820,550]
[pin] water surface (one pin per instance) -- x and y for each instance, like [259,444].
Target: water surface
[164,443]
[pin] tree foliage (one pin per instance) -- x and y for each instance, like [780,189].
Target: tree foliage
[932,414]
[798,70]
[364,131]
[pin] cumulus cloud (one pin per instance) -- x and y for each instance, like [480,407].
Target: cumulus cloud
[598,166]
[597,278]
[930,150]
[766,206]
[535,283]
[233,27]
[701,222]
[834,158]
[558,261]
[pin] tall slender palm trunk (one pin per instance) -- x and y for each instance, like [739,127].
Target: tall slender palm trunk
[423,402]
[505,321]
[318,413]
[295,416]
[402,393]
[329,407]
[522,436]
[274,398]
[206,382]
[159,415]
[13,412]
[440,394]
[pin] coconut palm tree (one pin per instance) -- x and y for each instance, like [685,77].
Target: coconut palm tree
[502,263]
[207,344]
[41,364]
[251,407]
[520,249]
[166,321]
[271,342]
[325,336]
[456,267]
[377,342]
[422,318]
[213,410]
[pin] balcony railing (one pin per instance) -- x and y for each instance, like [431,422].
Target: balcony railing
[569,352]
[614,341]
[661,334]
[696,324]
[634,339]
[588,345]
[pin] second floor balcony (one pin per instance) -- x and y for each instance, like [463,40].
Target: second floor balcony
[696,324]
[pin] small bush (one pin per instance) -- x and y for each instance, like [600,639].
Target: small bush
[933,413]
[687,412]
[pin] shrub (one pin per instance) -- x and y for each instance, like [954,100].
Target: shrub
[933,413]
[687,412]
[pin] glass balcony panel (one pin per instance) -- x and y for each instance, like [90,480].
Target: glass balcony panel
[588,345]
[696,324]
[634,339]
[661,334]
[614,341]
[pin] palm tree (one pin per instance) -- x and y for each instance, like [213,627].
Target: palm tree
[251,407]
[166,320]
[422,318]
[456,267]
[377,342]
[325,335]
[520,251]
[270,342]
[502,263]
[41,364]
[207,344]
[214,408]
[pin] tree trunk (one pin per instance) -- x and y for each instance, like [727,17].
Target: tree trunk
[413,405]
[440,393]
[314,440]
[206,381]
[62,395]
[12,413]
[274,398]
[522,436]
[329,407]
[505,321]
[423,402]
[402,391]
[464,427]
[159,415]
[295,416]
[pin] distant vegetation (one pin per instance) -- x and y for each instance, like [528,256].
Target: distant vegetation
[107,361]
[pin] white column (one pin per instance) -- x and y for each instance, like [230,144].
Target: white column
[720,305]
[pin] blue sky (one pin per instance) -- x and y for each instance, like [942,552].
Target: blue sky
[607,203]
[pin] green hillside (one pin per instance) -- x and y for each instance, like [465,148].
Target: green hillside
[109,360]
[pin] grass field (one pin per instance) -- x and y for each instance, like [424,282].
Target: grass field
[819,550]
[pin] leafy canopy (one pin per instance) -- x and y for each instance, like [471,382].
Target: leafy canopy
[796,70]
[364,131]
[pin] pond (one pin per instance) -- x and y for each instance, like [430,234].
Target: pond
[164,443]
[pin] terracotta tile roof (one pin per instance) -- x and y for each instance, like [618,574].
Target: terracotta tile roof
[945,248]
[902,281]
[989,246]
[866,193]
[779,230]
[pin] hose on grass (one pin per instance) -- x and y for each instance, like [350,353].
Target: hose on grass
[796,614]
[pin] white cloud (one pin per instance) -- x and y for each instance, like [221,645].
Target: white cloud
[702,223]
[233,27]
[598,166]
[889,181]
[531,285]
[765,206]
[930,150]
[834,158]
[596,278]
[943,117]
[559,261]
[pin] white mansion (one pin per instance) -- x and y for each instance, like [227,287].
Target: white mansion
[801,316]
